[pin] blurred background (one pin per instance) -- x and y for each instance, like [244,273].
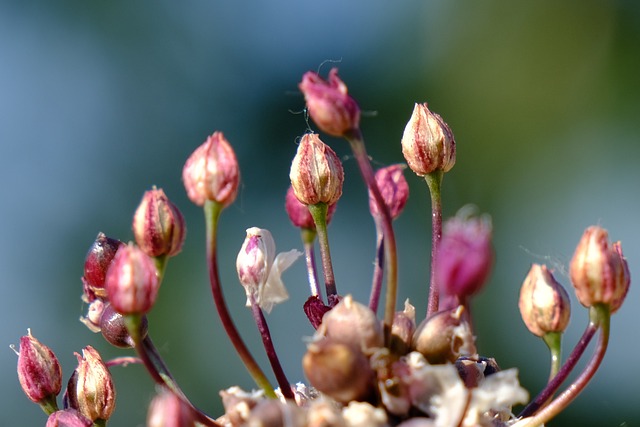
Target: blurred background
[101,100]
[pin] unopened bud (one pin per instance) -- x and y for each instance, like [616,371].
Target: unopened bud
[464,258]
[96,264]
[339,370]
[328,103]
[132,281]
[599,270]
[353,323]
[444,337]
[212,172]
[316,172]
[299,213]
[393,188]
[158,225]
[68,418]
[427,142]
[403,327]
[90,389]
[168,410]
[39,371]
[544,304]
[114,329]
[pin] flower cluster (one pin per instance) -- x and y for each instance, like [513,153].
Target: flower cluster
[361,369]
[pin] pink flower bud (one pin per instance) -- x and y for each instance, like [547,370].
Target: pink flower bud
[316,172]
[544,304]
[427,142]
[599,270]
[132,281]
[212,172]
[39,371]
[96,264]
[68,418]
[464,256]
[299,213]
[328,103]
[158,225]
[90,390]
[168,410]
[393,188]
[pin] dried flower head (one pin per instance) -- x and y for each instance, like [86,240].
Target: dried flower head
[90,389]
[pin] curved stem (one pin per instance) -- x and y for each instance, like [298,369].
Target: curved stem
[319,214]
[308,238]
[391,256]
[598,314]
[434,182]
[553,385]
[212,213]
[378,271]
[263,329]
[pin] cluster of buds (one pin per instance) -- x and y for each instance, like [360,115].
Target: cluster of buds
[361,369]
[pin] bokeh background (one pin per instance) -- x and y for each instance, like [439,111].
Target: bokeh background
[101,100]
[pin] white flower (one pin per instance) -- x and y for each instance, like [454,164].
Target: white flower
[259,269]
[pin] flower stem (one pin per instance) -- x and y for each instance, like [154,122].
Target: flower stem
[434,182]
[554,342]
[390,255]
[263,328]
[599,315]
[212,214]
[319,214]
[378,270]
[568,366]
[308,238]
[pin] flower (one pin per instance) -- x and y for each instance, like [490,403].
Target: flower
[427,142]
[212,172]
[68,418]
[158,225]
[328,103]
[598,270]
[544,304]
[316,172]
[39,371]
[260,269]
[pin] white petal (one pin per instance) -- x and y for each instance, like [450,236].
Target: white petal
[273,291]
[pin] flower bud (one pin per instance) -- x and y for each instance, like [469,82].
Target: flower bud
[260,270]
[599,271]
[393,188]
[299,213]
[339,370]
[427,142]
[39,371]
[168,410]
[350,322]
[544,304]
[96,264]
[403,327]
[328,103]
[114,330]
[444,337]
[68,418]
[464,258]
[90,389]
[132,281]
[158,225]
[316,172]
[212,172]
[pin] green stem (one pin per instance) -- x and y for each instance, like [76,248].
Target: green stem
[390,255]
[600,315]
[554,342]
[49,404]
[161,265]
[308,237]
[319,214]
[212,214]
[100,423]
[434,182]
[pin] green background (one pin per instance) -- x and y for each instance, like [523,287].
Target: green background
[100,100]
